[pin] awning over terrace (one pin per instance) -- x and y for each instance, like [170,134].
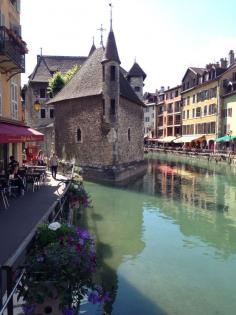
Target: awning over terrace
[167,139]
[10,133]
[189,138]
[226,138]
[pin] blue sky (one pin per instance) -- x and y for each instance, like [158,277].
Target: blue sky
[164,36]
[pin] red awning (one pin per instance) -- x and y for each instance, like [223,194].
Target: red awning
[10,133]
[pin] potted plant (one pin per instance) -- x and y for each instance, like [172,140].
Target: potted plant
[59,271]
[78,197]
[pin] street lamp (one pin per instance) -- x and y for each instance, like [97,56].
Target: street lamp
[37,105]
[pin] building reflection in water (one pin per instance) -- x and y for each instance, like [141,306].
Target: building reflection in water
[195,198]
[120,230]
[200,201]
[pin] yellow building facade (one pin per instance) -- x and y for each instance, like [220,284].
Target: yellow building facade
[12,63]
[201,105]
[199,111]
[227,101]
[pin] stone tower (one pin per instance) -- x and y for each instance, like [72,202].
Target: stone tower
[111,90]
[136,76]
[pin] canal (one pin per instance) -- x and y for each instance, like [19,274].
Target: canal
[167,242]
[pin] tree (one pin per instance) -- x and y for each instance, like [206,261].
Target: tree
[58,81]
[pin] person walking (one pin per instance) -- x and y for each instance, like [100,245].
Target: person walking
[40,158]
[54,165]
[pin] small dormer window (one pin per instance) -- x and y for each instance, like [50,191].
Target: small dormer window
[137,89]
[113,73]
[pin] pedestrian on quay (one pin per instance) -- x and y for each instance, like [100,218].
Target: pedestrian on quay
[40,158]
[54,165]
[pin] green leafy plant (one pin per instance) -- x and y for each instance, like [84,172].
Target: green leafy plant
[58,81]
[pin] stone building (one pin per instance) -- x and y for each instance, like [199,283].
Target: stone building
[200,105]
[169,114]
[38,114]
[150,102]
[99,118]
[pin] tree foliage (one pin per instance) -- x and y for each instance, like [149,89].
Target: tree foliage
[59,80]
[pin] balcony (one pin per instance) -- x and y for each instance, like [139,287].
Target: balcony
[12,52]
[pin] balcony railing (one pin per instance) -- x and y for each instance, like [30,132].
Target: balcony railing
[12,52]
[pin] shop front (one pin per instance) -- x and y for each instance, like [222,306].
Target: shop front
[14,140]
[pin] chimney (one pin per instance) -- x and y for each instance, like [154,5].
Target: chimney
[231,57]
[223,63]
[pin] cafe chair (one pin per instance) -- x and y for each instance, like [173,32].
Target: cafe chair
[3,194]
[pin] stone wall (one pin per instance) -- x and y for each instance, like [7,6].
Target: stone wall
[97,148]
[130,117]
[86,114]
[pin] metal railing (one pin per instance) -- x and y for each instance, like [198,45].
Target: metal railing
[58,209]
[12,47]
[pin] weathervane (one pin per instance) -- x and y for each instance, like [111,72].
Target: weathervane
[101,29]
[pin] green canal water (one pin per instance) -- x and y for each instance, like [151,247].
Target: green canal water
[167,242]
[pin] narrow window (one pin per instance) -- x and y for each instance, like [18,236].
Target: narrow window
[42,93]
[14,99]
[137,89]
[103,108]
[103,73]
[51,112]
[113,73]
[129,134]
[113,107]
[43,113]
[78,135]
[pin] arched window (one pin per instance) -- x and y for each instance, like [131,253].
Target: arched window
[78,135]
[129,134]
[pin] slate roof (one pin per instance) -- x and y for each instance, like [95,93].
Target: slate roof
[93,48]
[111,52]
[198,70]
[127,92]
[88,81]
[46,65]
[136,71]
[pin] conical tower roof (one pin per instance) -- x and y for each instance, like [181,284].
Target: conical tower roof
[92,49]
[111,52]
[136,71]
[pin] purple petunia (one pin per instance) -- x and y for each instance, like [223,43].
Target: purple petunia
[84,234]
[68,311]
[28,308]
[94,297]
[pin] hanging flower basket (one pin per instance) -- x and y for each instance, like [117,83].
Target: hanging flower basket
[59,270]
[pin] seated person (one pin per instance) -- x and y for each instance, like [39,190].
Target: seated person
[17,180]
[12,164]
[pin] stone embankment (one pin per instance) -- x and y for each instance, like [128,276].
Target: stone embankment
[217,157]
